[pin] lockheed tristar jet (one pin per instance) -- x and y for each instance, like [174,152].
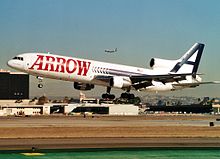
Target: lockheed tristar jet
[164,75]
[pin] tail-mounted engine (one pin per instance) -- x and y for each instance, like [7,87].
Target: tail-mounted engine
[156,63]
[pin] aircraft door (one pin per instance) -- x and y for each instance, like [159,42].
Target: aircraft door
[26,64]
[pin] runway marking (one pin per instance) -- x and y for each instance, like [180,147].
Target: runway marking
[33,154]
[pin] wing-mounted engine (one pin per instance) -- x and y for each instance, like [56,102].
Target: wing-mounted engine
[158,87]
[157,63]
[83,86]
[120,82]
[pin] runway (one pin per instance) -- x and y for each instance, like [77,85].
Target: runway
[78,143]
[108,121]
[60,132]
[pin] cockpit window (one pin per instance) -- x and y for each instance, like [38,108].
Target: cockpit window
[18,58]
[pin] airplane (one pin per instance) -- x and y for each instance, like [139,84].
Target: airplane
[111,51]
[164,75]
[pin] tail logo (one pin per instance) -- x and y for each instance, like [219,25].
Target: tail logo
[196,48]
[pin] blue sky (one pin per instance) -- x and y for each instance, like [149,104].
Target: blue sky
[140,29]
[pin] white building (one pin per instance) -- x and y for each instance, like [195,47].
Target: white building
[110,109]
[20,111]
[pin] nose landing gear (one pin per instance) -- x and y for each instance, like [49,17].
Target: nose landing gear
[40,85]
[40,80]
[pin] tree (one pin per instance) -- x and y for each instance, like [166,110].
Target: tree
[42,100]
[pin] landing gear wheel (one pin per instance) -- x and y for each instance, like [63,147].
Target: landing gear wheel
[108,96]
[124,95]
[111,96]
[104,96]
[40,85]
[131,96]
[127,96]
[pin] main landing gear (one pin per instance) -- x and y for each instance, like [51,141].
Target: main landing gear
[127,95]
[107,95]
[40,80]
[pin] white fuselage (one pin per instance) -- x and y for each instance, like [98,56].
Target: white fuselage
[86,71]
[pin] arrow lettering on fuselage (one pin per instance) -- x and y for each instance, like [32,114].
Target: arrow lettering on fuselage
[60,64]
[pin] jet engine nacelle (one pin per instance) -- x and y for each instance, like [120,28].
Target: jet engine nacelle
[159,86]
[120,82]
[156,63]
[83,86]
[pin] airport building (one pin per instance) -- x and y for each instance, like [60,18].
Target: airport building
[108,109]
[216,105]
[25,109]
[14,85]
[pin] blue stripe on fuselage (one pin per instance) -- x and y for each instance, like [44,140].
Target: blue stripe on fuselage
[123,73]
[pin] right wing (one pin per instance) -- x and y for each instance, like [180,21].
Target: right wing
[195,84]
[144,81]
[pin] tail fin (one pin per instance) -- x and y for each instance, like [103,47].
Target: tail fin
[189,62]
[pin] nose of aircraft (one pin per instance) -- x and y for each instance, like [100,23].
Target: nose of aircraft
[15,64]
[10,63]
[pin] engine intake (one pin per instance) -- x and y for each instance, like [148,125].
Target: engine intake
[156,63]
[120,82]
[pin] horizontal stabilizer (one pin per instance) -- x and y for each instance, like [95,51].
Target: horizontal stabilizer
[195,84]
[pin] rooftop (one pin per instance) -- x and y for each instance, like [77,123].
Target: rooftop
[7,71]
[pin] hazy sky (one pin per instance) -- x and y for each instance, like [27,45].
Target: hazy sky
[140,29]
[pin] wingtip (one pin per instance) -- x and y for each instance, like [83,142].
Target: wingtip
[216,82]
